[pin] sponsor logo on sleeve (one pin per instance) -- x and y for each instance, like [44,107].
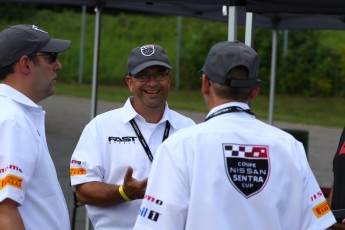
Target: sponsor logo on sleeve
[321,209]
[77,171]
[247,167]
[11,168]
[316,196]
[11,180]
[148,213]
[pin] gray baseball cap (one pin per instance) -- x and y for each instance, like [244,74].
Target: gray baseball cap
[145,56]
[19,40]
[226,55]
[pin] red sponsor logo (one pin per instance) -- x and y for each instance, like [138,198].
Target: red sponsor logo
[316,195]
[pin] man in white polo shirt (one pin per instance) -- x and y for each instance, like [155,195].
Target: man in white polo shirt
[232,171]
[30,194]
[111,162]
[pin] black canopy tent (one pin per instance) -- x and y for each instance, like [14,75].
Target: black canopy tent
[296,6]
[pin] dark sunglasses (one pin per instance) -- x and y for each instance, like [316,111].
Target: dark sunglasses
[51,57]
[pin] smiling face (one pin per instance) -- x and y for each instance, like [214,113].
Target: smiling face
[149,95]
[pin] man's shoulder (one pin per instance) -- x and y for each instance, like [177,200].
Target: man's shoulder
[179,115]
[11,110]
[179,120]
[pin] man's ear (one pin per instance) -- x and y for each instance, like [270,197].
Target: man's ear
[254,93]
[24,64]
[205,87]
[129,82]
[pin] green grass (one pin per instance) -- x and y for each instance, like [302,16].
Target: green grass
[321,111]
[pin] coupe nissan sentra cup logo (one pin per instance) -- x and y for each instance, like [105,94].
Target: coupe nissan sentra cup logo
[247,167]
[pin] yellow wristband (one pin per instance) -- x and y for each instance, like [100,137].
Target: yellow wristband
[123,194]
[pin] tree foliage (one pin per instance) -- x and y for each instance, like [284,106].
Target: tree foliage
[310,66]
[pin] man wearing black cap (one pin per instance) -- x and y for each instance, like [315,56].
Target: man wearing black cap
[110,164]
[30,194]
[232,171]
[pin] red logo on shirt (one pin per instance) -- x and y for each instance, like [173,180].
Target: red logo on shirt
[342,149]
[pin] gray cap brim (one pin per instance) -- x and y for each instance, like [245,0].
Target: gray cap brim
[55,46]
[147,64]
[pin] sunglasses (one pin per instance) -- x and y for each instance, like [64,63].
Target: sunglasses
[51,57]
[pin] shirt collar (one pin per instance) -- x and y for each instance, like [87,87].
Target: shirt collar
[222,106]
[15,95]
[131,113]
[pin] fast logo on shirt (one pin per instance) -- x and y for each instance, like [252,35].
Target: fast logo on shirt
[321,209]
[11,180]
[146,212]
[247,167]
[121,139]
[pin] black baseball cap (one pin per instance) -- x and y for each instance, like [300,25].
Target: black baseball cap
[224,56]
[19,40]
[145,56]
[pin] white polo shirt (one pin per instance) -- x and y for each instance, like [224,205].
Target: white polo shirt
[107,146]
[27,172]
[232,172]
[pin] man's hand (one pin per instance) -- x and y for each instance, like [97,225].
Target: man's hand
[133,188]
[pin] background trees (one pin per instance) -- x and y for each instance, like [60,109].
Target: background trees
[313,64]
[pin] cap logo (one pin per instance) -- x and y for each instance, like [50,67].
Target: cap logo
[147,50]
[38,29]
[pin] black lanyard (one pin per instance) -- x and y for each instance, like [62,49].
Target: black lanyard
[142,139]
[230,109]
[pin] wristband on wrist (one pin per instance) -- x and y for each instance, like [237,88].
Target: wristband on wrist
[123,194]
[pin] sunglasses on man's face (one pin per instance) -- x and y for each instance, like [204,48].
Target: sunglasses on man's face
[51,57]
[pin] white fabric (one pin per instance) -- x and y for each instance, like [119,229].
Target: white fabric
[107,146]
[190,186]
[27,172]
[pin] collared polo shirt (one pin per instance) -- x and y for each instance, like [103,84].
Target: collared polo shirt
[107,146]
[27,172]
[232,172]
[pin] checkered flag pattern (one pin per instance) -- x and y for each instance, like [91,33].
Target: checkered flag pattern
[245,151]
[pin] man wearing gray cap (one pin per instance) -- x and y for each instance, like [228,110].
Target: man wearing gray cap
[110,164]
[30,194]
[232,171]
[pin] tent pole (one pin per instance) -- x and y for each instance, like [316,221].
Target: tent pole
[95,62]
[273,76]
[178,56]
[82,36]
[94,79]
[249,29]
[232,23]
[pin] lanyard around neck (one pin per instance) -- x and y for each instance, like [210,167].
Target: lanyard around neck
[142,139]
[230,109]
